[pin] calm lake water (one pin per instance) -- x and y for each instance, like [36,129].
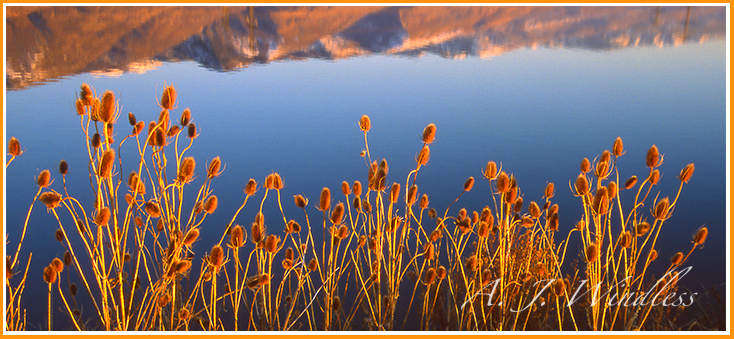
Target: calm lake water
[535,89]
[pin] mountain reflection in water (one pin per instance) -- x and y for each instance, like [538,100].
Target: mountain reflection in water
[47,43]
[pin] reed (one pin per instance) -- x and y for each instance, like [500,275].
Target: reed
[384,245]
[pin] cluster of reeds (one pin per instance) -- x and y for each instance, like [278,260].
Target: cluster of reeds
[134,252]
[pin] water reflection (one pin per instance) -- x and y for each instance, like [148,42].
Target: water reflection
[47,43]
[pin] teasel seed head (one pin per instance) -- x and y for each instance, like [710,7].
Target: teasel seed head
[365,124]
[582,185]
[625,239]
[44,179]
[642,228]
[183,314]
[429,134]
[429,251]
[313,265]
[602,167]
[527,222]
[336,303]
[700,236]
[251,187]
[580,225]
[503,182]
[346,189]
[105,165]
[191,131]
[183,266]
[325,199]
[289,253]
[49,275]
[185,117]
[612,189]
[198,207]
[67,258]
[50,199]
[559,287]
[96,140]
[163,300]
[211,203]
[257,233]
[490,171]
[394,192]
[271,243]
[343,232]
[14,147]
[423,156]
[618,147]
[469,184]
[432,213]
[486,277]
[413,195]
[57,265]
[191,237]
[424,201]
[168,99]
[357,188]
[661,209]
[300,201]
[654,177]
[186,170]
[277,181]
[214,167]
[585,166]
[103,216]
[159,225]
[173,130]
[59,235]
[366,206]
[686,173]
[107,111]
[237,236]
[294,227]
[653,157]
[601,201]
[592,253]
[653,255]
[534,210]
[553,222]
[550,190]
[471,263]
[630,182]
[138,128]
[483,230]
[216,257]
[63,167]
[152,209]
[430,276]
[676,259]
[337,215]
[86,95]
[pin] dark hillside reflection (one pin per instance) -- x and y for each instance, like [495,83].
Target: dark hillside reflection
[46,43]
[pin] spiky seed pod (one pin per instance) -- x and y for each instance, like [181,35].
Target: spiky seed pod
[343,232]
[216,256]
[553,209]
[289,253]
[73,289]
[511,196]
[602,168]
[441,273]
[138,128]
[582,185]
[86,94]
[152,209]
[277,181]
[580,225]
[79,105]
[527,222]
[103,216]
[49,275]
[67,258]
[191,131]
[468,184]
[432,213]
[618,147]
[486,277]
[365,124]
[159,225]
[107,111]
[518,205]
[237,236]
[336,303]
[642,228]
[131,119]
[210,205]
[14,147]
[357,188]
[394,192]
[378,183]
[429,134]
[168,99]
[251,187]
[435,235]
[592,253]
[612,190]
[653,157]
[257,233]
[490,170]
[271,243]
[424,201]
[676,259]
[163,300]
[173,131]
[96,140]
[654,177]
[183,266]
[337,215]
[700,236]
[325,199]
[462,214]
[600,204]
[94,110]
[413,195]
[186,170]
[423,156]
[183,314]
[483,230]
[549,190]
[686,173]
[429,251]
[503,182]
[534,210]
[287,263]
[105,165]
[559,287]
[269,182]
[63,167]
[207,276]
[185,117]
[585,166]
[313,265]
[653,255]
[630,182]
[346,190]
[44,179]
[50,199]
[57,265]
[661,209]
[625,239]
[264,279]
[553,222]
[474,217]
[198,207]
[366,206]
[430,276]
